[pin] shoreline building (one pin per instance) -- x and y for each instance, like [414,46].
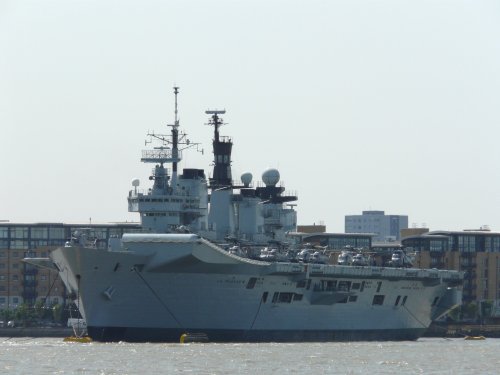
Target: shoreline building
[475,252]
[386,228]
[23,283]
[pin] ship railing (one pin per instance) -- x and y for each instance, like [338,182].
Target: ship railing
[145,193]
[220,250]
[362,271]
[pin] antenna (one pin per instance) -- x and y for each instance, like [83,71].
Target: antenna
[216,121]
[176,91]
[215,112]
[170,145]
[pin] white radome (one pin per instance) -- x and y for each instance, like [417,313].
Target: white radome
[136,182]
[246,178]
[271,177]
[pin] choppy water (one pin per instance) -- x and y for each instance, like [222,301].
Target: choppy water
[425,356]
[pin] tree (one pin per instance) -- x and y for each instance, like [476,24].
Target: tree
[25,314]
[57,313]
[486,308]
[39,309]
[470,310]
[6,315]
[455,313]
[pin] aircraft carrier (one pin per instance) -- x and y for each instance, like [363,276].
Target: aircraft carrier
[196,267]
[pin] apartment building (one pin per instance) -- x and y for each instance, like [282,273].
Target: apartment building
[23,283]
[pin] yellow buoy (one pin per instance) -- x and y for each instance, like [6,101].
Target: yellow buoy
[193,337]
[474,338]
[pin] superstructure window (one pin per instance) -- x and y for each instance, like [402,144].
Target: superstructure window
[344,286]
[251,282]
[297,297]
[275,297]
[397,301]
[404,300]
[353,298]
[301,283]
[264,297]
[378,299]
[285,297]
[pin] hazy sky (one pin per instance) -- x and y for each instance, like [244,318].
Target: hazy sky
[384,105]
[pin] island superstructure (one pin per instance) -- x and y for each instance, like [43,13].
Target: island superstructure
[180,276]
[177,203]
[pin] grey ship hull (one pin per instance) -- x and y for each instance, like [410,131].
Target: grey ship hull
[161,286]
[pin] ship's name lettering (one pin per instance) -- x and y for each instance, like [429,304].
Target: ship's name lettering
[231,281]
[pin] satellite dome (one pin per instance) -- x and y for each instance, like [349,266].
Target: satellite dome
[246,178]
[136,182]
[271,177]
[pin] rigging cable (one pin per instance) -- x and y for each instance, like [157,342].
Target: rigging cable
[257,313]
[134,269]
[423,325]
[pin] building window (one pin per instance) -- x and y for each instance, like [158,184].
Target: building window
[4,232]
[15,300]
[56,233]
[15,277]
[2,300]
[436,246]
[18,244]
[39,233]
[19,232]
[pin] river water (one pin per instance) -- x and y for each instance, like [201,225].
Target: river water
[425,356]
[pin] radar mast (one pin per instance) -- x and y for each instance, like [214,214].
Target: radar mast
[222,146]
[169,151]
